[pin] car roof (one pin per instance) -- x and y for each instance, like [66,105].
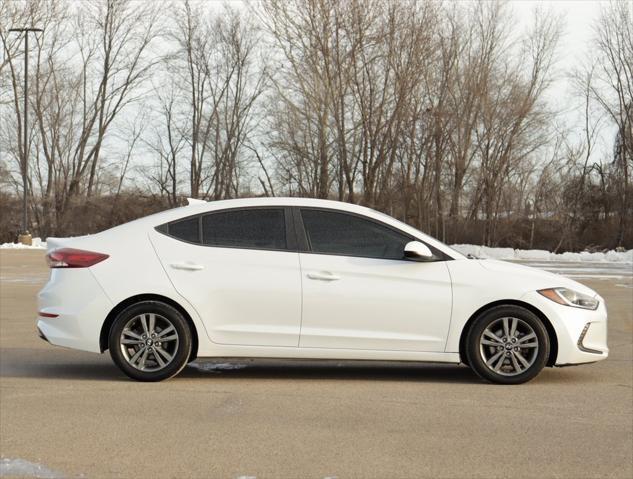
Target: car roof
[200,207]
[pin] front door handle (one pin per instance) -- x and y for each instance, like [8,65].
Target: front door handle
[188,266]
[324,276]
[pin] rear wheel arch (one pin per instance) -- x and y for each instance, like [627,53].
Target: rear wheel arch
[112,315]
[511,302]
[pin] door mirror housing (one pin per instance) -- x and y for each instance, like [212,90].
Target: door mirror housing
[417,251]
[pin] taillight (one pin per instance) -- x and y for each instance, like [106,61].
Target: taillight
[73,258]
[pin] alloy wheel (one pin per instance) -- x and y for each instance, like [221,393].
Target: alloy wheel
[509,346]
[149,342]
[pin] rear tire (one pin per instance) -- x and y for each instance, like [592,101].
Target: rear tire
[150,341]
[507,345]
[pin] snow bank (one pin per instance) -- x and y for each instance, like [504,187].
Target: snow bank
[210,366]
[542,255]
[37,244]
[23,468]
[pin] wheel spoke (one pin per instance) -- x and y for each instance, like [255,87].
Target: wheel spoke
[137,355]
[158,358]
[164,353]
[529,345]
[141,363]
[131,341]
[152,322]
[487,342]
[506,328]
[129,332]
[494,358]
[513,328]
[493,336]
[515,363]
[168,338]
[164,332]
[527,337]
[144,323]
[500,362]
[520,357]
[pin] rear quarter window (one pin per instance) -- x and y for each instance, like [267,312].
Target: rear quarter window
[186,230]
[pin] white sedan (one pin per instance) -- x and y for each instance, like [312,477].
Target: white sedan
[304,278]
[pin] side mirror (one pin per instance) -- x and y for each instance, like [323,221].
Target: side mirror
[417,251]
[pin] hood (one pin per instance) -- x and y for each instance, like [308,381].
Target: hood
[534,277]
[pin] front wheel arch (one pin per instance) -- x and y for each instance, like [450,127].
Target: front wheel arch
[107,324]
[553,353]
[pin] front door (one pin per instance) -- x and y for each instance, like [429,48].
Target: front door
[359,292]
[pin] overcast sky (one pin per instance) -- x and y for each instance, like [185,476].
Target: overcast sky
[574,50]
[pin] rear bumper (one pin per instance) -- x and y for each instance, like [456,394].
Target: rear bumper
[80,304]
[581,334]
[41,335]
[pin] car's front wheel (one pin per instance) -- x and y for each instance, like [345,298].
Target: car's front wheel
[150,341]
[507,345]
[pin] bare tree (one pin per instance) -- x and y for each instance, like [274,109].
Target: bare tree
[90,63]
[613,90]
[221,76]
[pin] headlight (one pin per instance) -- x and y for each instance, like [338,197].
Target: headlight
[569,297]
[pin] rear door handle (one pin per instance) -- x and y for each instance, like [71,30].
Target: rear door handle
[187,266]
[324,276]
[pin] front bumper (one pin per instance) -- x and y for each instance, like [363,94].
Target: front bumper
[581,333]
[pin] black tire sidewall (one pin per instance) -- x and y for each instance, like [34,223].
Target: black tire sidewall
[184,340]
[477,363]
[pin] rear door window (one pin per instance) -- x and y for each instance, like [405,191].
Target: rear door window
[257,228]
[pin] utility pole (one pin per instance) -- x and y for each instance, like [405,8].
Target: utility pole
[25,236]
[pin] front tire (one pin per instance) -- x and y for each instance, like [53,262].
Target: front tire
[507,345]
[150,341]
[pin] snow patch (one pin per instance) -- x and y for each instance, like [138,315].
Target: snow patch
[37,243]
[542,255]
[35,279]
[206,366]
[23,468]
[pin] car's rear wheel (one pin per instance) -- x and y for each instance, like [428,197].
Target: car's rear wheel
[150,341]
[507,345]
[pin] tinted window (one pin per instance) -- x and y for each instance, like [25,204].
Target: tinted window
[255,228]
[344,234]
[187,230]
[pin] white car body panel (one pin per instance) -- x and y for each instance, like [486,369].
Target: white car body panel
[357,311]
[253,303]
[118,280]
[245,297]
[506,281]
[77,297]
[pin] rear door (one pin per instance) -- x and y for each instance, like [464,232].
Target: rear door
[360,293]
[239,268]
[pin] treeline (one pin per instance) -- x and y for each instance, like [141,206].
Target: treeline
[437,113]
